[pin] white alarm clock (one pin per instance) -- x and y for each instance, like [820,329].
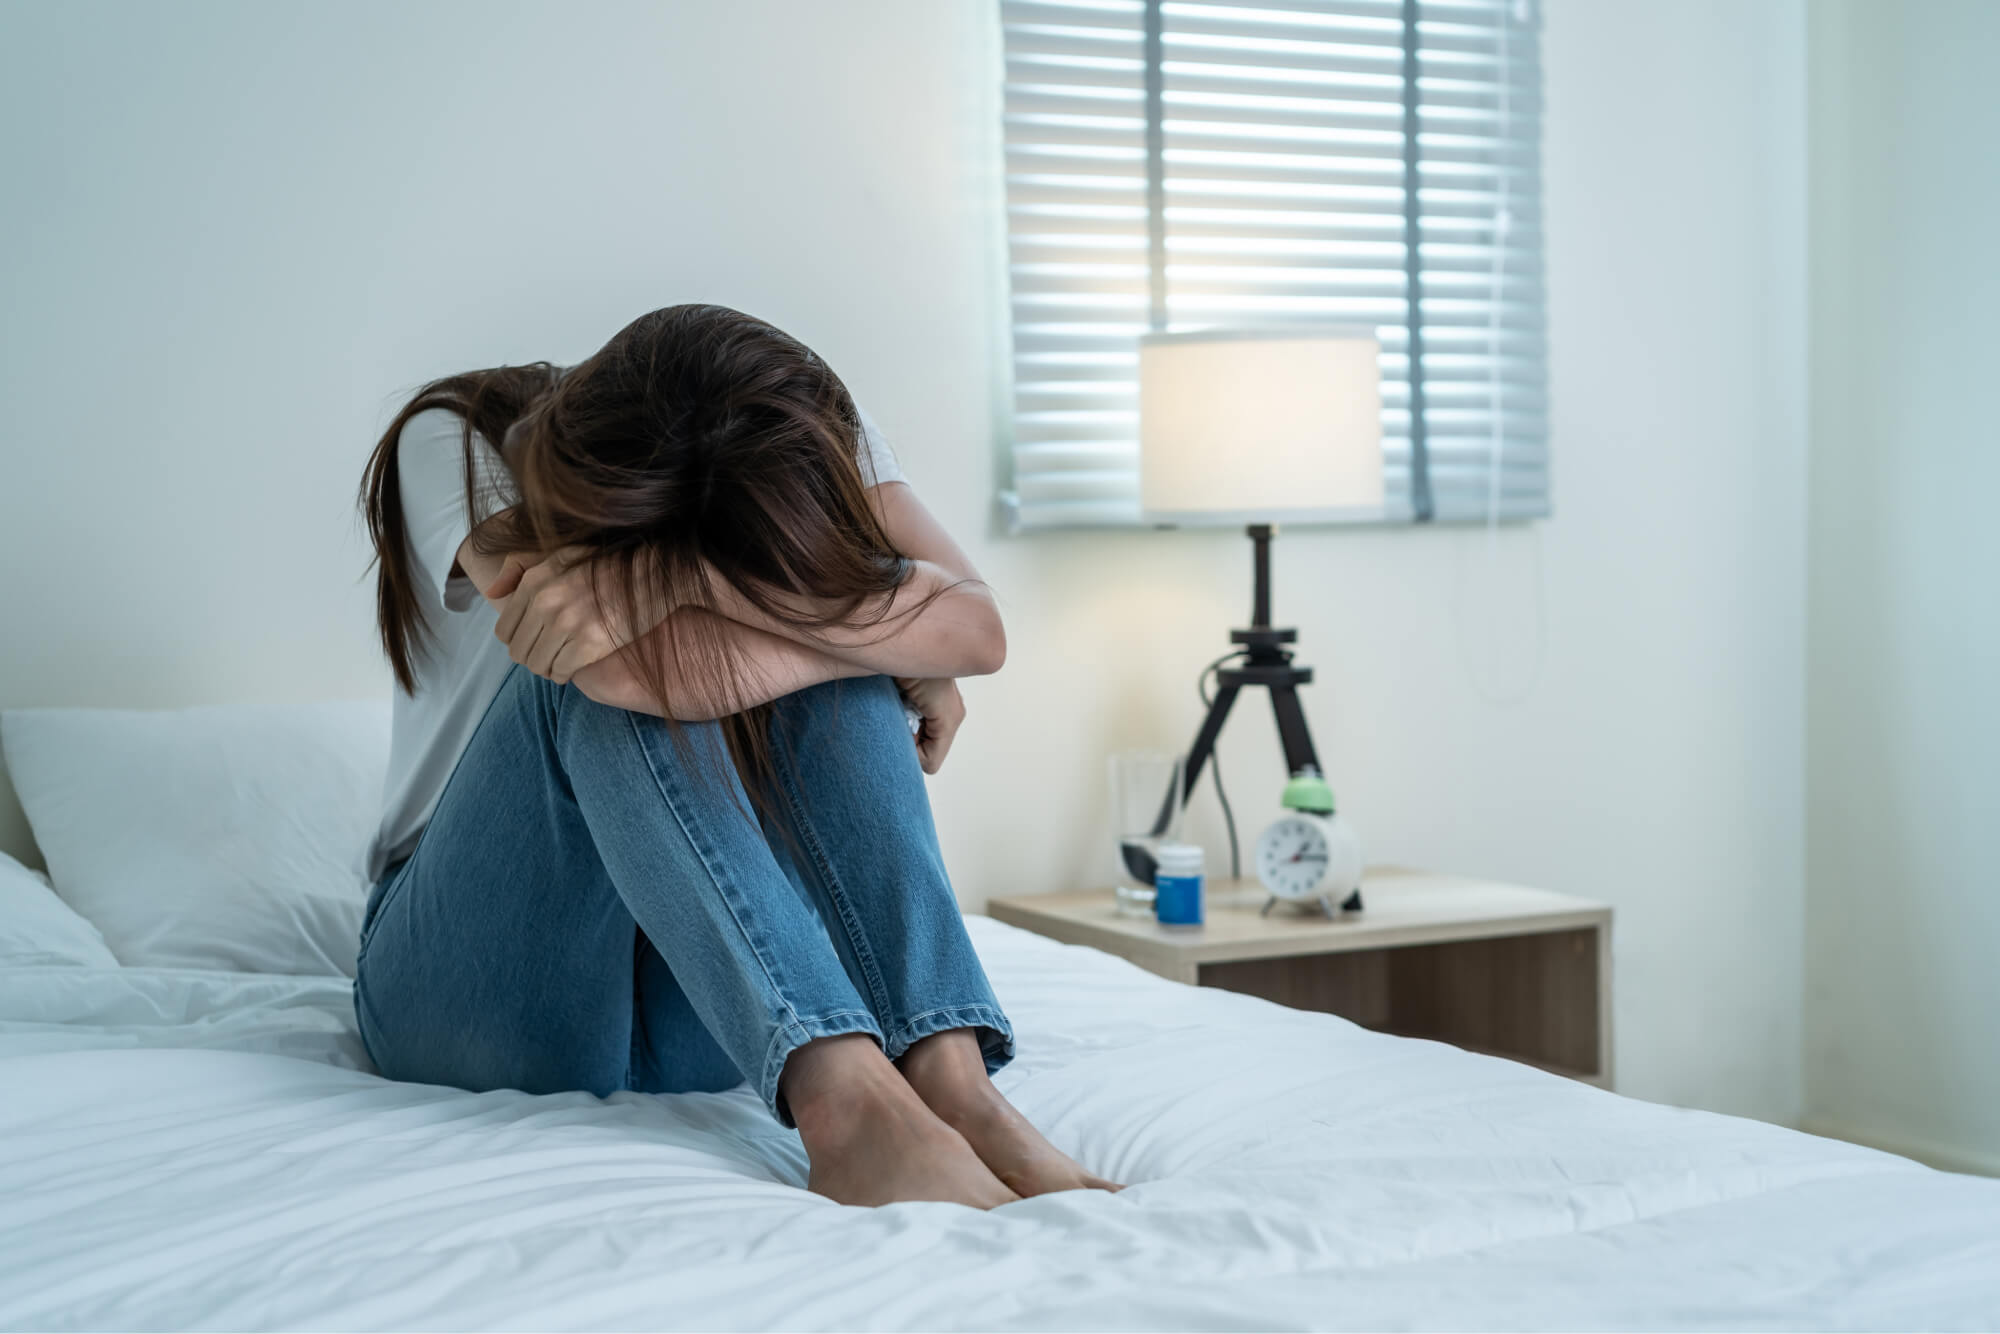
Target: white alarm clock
[1309,855]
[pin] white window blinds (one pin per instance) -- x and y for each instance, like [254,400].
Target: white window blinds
[1186,165]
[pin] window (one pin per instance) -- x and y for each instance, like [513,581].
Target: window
[1180,165]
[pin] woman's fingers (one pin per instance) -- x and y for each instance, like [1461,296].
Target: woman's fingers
[935,743]
[950,721]
[524,643]
[509,578]
[549,619]
[578,652]
[541,656]
[520,603]
[943,709]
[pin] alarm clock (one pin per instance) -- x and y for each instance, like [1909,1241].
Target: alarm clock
[1309,855]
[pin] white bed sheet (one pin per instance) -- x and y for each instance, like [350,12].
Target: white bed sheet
[184,1149]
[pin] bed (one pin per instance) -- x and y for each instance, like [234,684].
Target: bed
[185,1147]
[191,1135]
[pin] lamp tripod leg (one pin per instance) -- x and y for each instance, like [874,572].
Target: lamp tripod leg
[1198,754]
[1293,734]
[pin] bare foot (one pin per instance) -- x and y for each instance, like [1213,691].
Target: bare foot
[949,1074]
[871,1139]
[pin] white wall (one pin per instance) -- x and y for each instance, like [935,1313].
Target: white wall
[1903,830]
[245,228]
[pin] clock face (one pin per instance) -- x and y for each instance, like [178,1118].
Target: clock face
[1292,857]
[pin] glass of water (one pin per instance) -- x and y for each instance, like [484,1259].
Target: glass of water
[1145,812]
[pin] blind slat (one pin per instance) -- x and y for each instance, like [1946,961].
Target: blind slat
[1439,98]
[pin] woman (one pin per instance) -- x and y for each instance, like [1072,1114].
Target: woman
[655,819]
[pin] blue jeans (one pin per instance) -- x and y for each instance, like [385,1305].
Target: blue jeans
[597,904]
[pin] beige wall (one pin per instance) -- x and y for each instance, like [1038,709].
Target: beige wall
[1903,828]
[244,228]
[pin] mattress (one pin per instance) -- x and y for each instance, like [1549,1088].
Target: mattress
[183,1148]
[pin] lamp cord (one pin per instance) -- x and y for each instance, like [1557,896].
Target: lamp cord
[1215,761]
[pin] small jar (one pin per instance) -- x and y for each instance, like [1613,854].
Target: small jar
[1177,886]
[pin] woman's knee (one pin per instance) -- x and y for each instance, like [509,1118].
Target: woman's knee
[583,726]
[868,703]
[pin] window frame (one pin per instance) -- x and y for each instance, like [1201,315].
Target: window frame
[1433,34]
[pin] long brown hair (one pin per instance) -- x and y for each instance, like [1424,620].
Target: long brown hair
[697,434]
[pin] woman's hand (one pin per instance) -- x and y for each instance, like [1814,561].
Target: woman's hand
[550,618]
[943,709]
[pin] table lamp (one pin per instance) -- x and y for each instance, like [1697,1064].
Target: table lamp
[1261,428]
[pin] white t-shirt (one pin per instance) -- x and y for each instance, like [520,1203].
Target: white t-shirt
[461,667]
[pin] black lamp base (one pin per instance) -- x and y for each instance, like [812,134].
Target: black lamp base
[1266,662]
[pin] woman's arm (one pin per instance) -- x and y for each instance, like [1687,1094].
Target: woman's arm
[770,667]
[767,668]
[942,622]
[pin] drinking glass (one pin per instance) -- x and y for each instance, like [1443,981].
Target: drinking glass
[1145,785]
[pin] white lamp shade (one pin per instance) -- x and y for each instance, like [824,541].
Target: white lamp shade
[1241,427]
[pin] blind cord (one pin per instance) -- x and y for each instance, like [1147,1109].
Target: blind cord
[1503,226]
[1486,685]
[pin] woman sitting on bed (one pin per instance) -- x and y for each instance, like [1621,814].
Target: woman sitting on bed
[655,818]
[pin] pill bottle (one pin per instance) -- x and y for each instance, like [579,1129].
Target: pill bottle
[1177,886]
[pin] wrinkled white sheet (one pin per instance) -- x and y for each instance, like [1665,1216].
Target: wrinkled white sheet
[208,1149]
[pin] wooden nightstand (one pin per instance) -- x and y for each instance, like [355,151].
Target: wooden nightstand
[1516,972]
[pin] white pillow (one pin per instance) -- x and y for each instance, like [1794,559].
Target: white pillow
[38,927]
[224,837]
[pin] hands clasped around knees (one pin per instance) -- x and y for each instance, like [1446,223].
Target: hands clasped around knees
[930,1127]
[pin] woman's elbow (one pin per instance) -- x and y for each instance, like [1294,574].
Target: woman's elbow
[986,651]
